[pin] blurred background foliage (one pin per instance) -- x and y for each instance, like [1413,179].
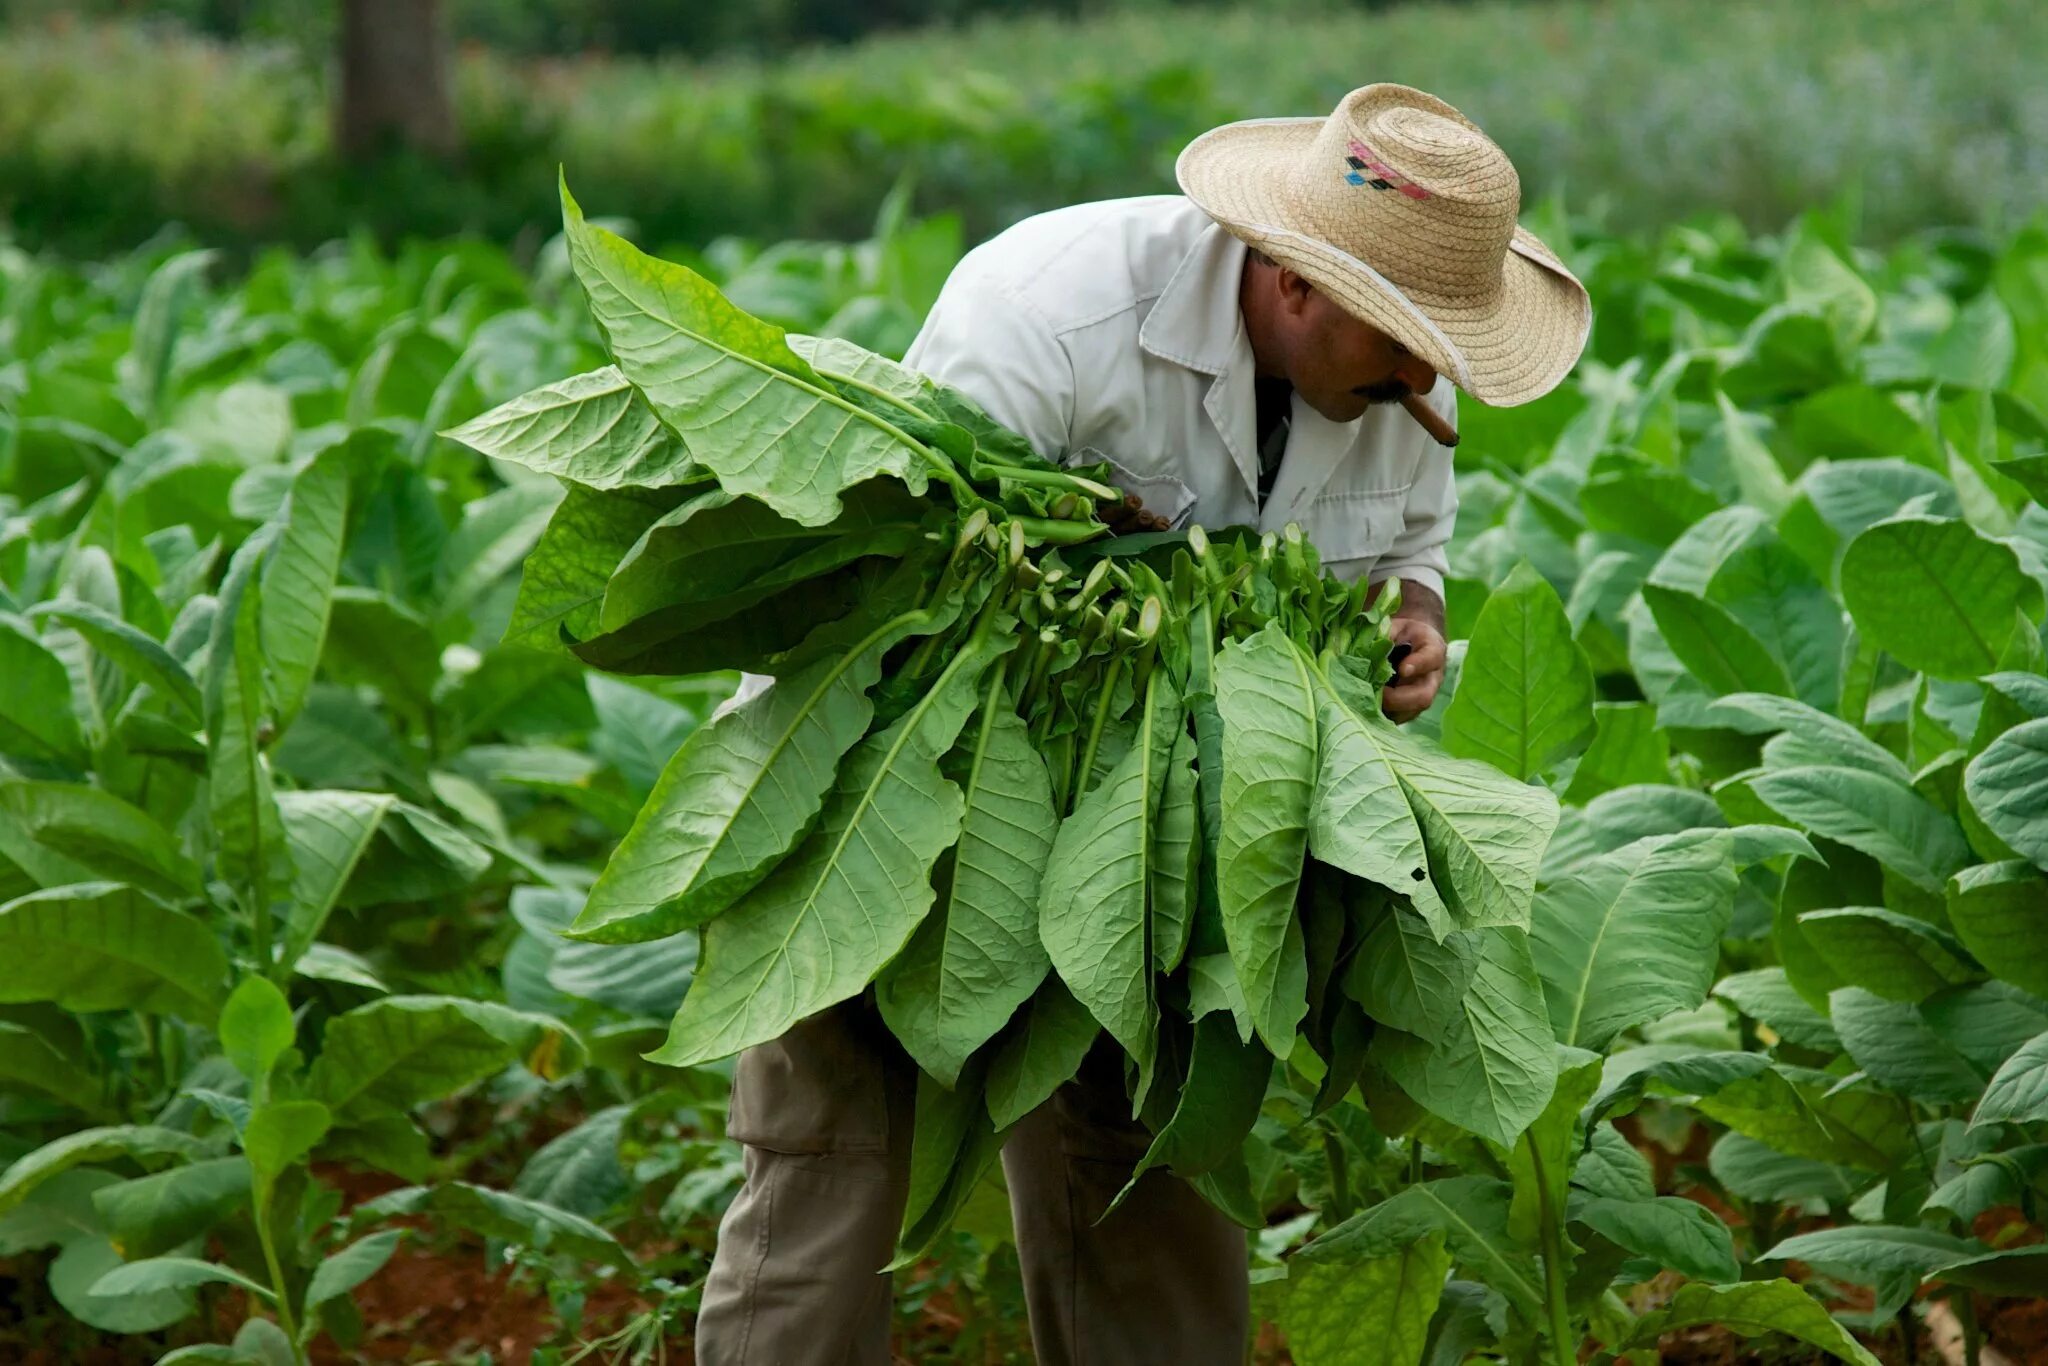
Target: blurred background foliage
[793,117]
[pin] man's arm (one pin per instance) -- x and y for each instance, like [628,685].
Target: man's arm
[1419,624]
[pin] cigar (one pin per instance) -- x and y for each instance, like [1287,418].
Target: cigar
[1433,423]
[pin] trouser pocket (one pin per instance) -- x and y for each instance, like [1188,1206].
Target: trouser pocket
[823,1087]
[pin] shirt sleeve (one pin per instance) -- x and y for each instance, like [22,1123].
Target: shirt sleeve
[993,346]
[1430,514]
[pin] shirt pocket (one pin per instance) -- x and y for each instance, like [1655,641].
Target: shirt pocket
[1162,493]
[1353,528]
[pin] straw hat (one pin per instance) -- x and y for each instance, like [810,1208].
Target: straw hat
[1403,212]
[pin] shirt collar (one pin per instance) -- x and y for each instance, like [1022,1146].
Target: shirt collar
[1195,321]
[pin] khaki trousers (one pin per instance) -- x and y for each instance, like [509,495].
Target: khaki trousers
[825,1114]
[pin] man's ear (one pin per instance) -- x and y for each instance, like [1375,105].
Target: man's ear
[1295,291]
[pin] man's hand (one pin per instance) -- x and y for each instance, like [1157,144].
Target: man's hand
[1419,624]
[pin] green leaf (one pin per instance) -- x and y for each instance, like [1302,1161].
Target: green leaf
[1756,1171]
[1494,1068]
[103,946]
[953,1147]
[579,1171]
[1041,1055]
[256,1028]
[153,1214]
[2000,912]
[242,808]
[27,1060]
[1460,839]
[345,1270]
[1628,747]
[1766,996]
[593,428]
[36,720]
[280,1133]
[1894,955]
[85,1146]
[738,795]
[1876,816]
[1472,1214]
[402,1051]
[1633,935]
[141,655]
[978,957]
[1717,649]
[1937,594]
[1674,1232]
[328,832]
[1217,1107]
[1813,1115]
[1093,902]
[1406,979]
[69,832]
[1525,692]
[1749,1309]
[1269,781]
[1893,1259]
[74,1282]
[1176,857]
[1807,736]
[1332,1308]
[493,538]
[2018,1094]
[298,580]
[501,1215]
[145,370]
[1892,1043]
[746,405]
[1772,593]
[2007,786]
[839,907]
[562,582]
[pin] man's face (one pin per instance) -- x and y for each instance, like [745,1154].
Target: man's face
[1339,365]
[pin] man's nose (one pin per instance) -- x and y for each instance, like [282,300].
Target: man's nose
[1416,374]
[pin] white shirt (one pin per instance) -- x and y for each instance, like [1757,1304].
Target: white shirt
[1112,331]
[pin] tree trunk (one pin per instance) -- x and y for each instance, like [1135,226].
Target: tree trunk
[394,79]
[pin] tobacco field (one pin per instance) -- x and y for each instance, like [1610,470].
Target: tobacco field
[1677,985]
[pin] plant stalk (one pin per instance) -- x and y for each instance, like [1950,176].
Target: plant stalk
[285,1319]
[1564,1347]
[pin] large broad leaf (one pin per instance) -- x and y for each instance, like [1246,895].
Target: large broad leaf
[328,831]
[1332,1308]
[1894,1259]
[153,1214]
[593,428]
[579,1171]
[1525,692]
[498,1214]
[1268,706]
[351,1266]
[1715,648]
[952,1148]
[1756,1171]
[1472,1214]
[977,957]
[2000,912]
[1493,1070]
[78,1269]
[241,805]
[1633,935]
[1681,1234]
[723,554]
[83,1147]
[1807,1114]
[1896,956]
[396,1053]
[1750,1309]
[2019,1093]
[1773,594]
[1093,906]
[1040,1055]
[1807,736]
[839,907]
[1877,816]
[739,794]
[1896,1046]
[29,1061]
[563,580]
[69,832]
[1218,1103]
[2008,789]
[491,541]
[1936,594]
[298,579]
[1458,838]
[745,404]
[143,657]
[104,946]
[36,720]
[1767,996]
[1407,979]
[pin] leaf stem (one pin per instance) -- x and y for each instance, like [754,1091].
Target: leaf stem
[1550,1232]
[1110,678]
[285,1318]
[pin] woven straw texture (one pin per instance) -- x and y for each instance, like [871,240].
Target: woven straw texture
[1403,212]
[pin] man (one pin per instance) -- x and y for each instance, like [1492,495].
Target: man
[1239,356]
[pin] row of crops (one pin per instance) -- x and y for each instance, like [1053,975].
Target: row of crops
[298,805]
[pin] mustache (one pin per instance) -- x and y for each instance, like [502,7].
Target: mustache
[1385,391]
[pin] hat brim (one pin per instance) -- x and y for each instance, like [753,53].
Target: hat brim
[1512,347]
